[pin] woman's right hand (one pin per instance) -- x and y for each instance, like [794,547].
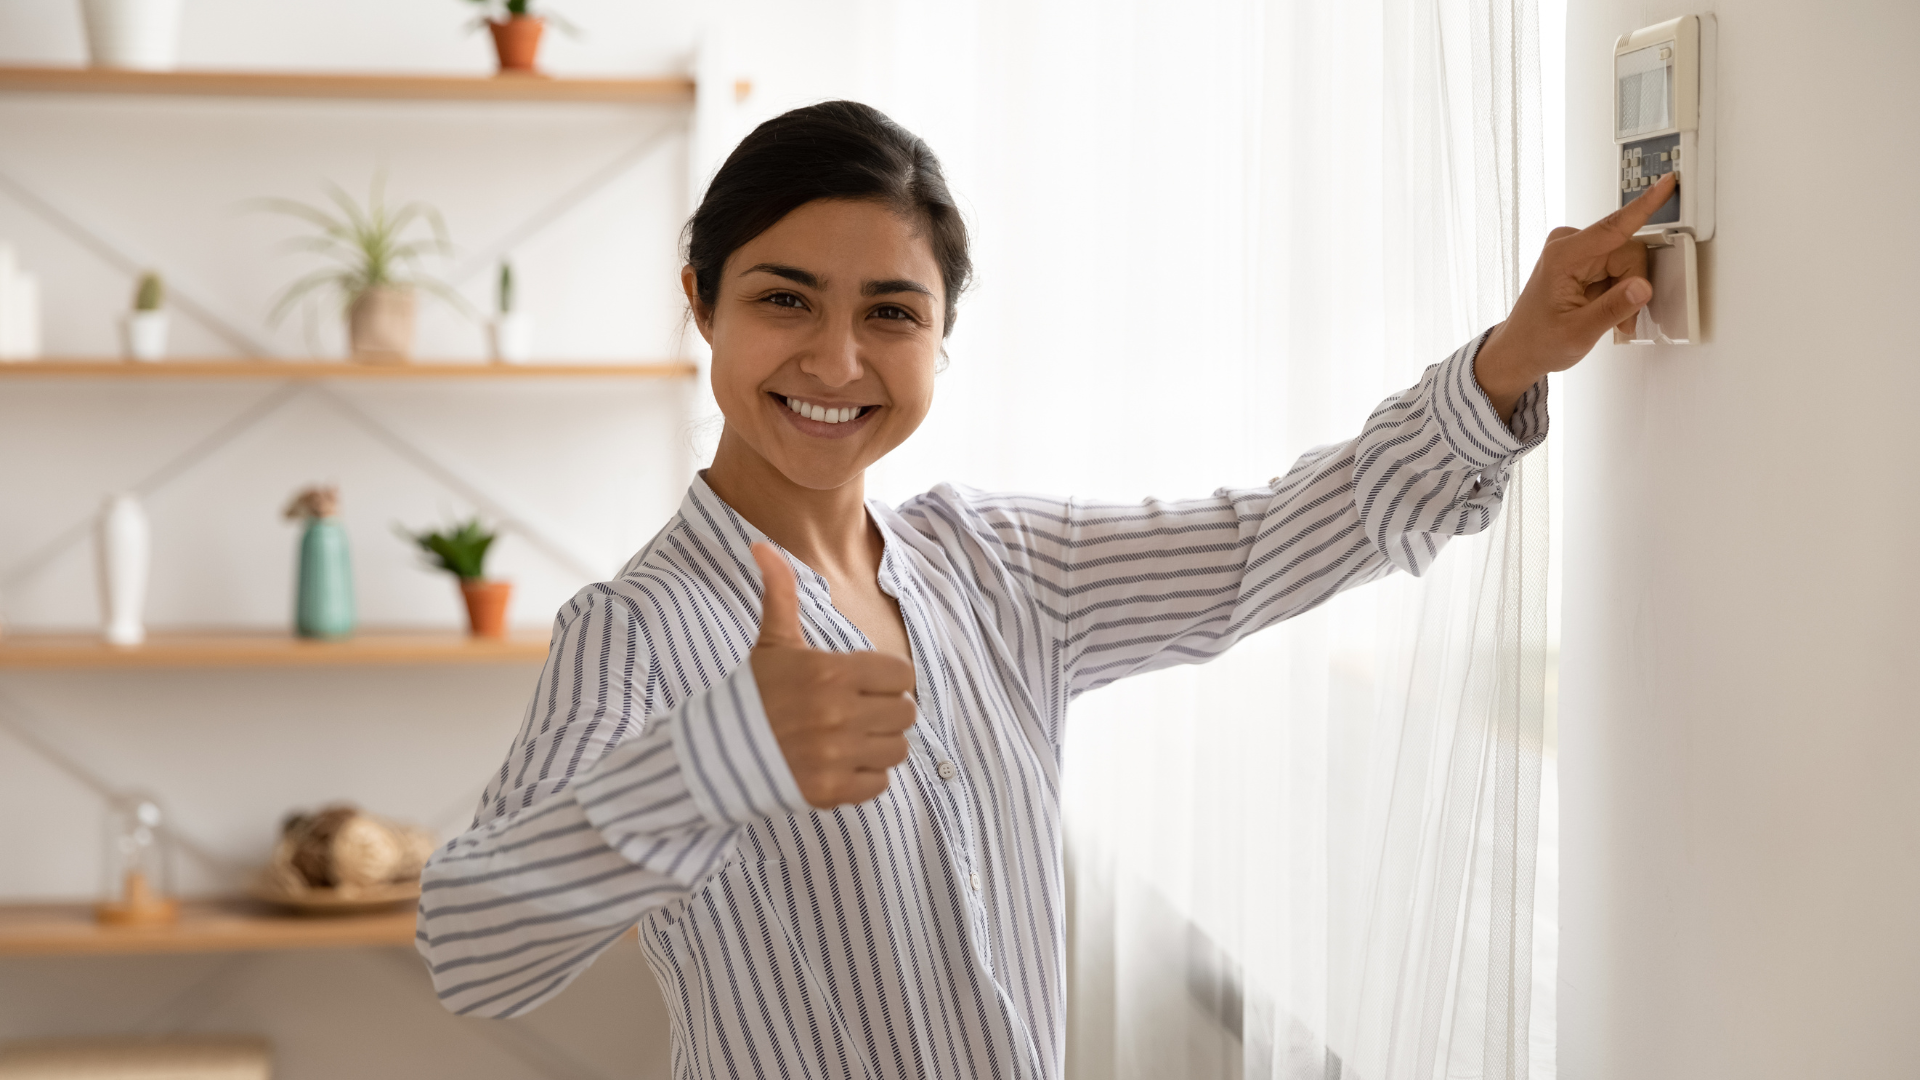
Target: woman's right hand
[1586,282]
[841,718]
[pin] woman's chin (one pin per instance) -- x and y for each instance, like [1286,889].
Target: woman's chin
[816,475]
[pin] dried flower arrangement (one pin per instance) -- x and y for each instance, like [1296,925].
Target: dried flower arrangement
[318,501]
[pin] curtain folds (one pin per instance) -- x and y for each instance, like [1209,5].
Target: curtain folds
[1209,236]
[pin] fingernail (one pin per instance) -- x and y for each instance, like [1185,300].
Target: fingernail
[1638,291]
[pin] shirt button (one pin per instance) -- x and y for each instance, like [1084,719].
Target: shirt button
[946,770]
[973,881]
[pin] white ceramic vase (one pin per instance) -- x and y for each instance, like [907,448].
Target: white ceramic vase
[145,335]
[125,546]
[512,337]
[140,34]
[19,310]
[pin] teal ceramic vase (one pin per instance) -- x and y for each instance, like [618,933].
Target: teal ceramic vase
[323,607]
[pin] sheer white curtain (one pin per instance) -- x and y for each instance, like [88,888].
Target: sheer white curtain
[1210,235]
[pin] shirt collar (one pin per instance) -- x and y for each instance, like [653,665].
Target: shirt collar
[708,515]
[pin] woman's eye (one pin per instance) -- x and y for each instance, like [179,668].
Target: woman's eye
[786,299]
[891,311]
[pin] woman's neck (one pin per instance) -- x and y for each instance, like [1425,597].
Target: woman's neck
[827,530]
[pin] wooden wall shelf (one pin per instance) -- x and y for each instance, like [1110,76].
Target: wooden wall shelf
[230,925]
[307,370]
[204,926]
[669,90]
[178,649]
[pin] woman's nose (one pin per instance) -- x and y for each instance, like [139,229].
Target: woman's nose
[835,359]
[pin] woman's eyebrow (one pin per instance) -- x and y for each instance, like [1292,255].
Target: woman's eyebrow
[791,273]
[894,285]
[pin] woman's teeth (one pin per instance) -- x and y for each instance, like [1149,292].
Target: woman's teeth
[824,415]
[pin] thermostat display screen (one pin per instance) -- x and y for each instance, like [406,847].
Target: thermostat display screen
[1646,90]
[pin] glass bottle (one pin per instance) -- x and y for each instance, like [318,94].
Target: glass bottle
[139,864]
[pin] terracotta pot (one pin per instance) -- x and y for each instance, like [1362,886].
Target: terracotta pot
[380,324]
[486,605]
[517,41]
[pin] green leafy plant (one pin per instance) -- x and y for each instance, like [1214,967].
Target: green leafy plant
[502,10]
[458,549]
[150,293]
[368,247]
[506,288]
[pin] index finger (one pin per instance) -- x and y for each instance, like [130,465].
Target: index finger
[1618,227]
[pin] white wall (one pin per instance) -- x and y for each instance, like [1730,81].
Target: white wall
[599,466]
[1738,721]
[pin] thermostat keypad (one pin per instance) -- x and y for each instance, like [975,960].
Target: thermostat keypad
[1642,164]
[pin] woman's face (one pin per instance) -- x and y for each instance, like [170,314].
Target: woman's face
[825,332]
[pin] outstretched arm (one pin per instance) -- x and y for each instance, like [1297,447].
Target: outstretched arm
[1154,584]
[1100,591]
[1146,586]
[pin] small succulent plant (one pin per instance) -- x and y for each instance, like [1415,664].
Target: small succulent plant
[150,293]
[502,10]
[460,549]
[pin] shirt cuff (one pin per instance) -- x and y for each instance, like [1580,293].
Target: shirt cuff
[714,761]
[734,765]
[1468,420]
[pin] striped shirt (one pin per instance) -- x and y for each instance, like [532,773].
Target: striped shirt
[919,934]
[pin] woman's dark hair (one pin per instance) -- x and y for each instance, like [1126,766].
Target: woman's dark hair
[833,150]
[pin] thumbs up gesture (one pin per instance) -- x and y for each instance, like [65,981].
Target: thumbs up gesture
[841,718]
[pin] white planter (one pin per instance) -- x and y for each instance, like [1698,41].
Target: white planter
[142,34]
[512,337]
[125,548]
[144,333]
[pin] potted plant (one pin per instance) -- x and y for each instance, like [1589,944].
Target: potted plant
[139,34]
[512,329]
[145,330]
[461,550]
[375,252]
[516,32]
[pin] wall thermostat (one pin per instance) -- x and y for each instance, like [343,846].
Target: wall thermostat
[1663,104]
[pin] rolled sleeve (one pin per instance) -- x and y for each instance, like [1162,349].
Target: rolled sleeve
[1469,423]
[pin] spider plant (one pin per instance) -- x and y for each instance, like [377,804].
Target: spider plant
[369,247]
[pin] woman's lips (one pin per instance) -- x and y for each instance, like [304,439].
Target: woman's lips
[830,428]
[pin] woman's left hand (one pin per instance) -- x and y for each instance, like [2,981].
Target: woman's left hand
[1587,282]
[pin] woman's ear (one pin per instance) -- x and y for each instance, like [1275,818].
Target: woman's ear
[702,315]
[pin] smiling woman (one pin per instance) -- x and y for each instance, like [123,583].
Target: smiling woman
[823,267]
[811,744]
